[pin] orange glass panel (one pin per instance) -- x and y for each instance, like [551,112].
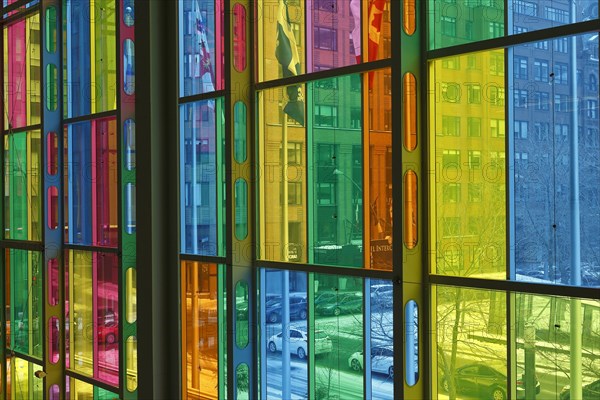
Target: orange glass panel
[409,17]
[410,210]
[409,94]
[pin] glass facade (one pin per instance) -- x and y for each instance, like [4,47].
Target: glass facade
[284,145]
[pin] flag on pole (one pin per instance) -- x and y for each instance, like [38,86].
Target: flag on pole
[355,34]
[286,52]
[375,18]
[205,65]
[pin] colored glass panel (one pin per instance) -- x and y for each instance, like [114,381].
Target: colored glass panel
[130,208]
[202,125]
[128,67]
[24,301]
[51,29]
[202,329]
[89,57]
[533,15]
[284,329]
[132,371]
[409,92]
[22,73]
[131,295]
[336,155]
[80,390]
[93,311]
[463,21]
[337,335]
[470,346]
[128,12]
[411,339]
[90,154]
[468,196]
[411,212]
[379,341]
[239,37]
[241,209]
[282,157]
[21,382]
[242,314]
[129,142]
[23,194]
[201,46]
[555,164]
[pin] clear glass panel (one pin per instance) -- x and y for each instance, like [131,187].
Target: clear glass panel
[553,162]
[53,340]
[130,208]
[22,73]
[51,29]
[52,153]
[51,87]
[201,125]
[200,325]
[239,132]
[411,340]
[380,340]
[239,37]
[337,335]
[557,341]
[132,369]
[471,347]
[129,139]
[286,345]
[242,311]
[201,47]
[23,192]
[128,12]
[411,212]
[409,91]
[24,301]
[128,67]
[131,295]
[468,147]
[464,21]
[282,228]
[337,181]
[52,207]
[91,183]
[241,209]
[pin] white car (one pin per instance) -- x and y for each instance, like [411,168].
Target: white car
[299,343]
[382,360]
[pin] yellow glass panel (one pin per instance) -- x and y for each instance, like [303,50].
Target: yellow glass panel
[82,320]
[131,295]
[467,136]
[103,52]
[132,369]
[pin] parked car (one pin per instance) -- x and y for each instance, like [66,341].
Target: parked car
[108,326]
[591,391]
[385,289]
[298,308]
[382,360]
[347,303]
[299,343]
[485,382]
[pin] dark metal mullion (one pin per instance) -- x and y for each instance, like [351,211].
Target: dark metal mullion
[26,357]
[325,269]
[330,73]
[203,259]
[95,249]
[27,12]
[92,381]
[21,245]
[90,117]
[15,5]
[27,128]
[516,286]
[202,96]
[513,40]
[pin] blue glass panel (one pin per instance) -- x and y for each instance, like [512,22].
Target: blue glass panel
[381,340]
[128,12]
[77,69]
[532,15]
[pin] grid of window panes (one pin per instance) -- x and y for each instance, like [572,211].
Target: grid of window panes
[62,189]
[514,143]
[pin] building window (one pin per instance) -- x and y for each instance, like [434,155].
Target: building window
[355,83]
[448,26]
[560,103]
[497,128]
[496,29]
[475,192]
[520,67]
[451,227]
[325,38]
[540,70]
[541,101]
[294,153]
[520,98]
[330,83]
[561,132]
[450,92]
[387,47]
[496,96]
[451,62]
[451,192]
[557,15]
[473,94]
[525,8]
[591,138]
[387,84]
[474,127]
[474,159]
[326,115]
[592,108]
[355,118]
[542,45]
[561,45]
[541,130]
[295,193]
[451,159]
[327,5]
[521,128]
[387,120]
[472,61]
[450,125]
[497,64]
[561,71]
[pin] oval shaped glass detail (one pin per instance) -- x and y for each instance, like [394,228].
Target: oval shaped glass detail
[410,209]
[241,314]
[52,153]
[132,369]
[50,35]
[130,207]
[239,132]
[239,37]
[52,266]
[411,340]
[241,209]
[51,87]
[242,381]
[129,142]
[130,295]
[54,340]
[128,12]
[128,67]
[409,17]
[52,200]
[409,94]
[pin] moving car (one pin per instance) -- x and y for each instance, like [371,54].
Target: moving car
[298,307]
[299,343]
[485,382]
[382,360]
[591,391]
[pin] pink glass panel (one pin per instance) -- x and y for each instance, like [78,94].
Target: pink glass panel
[53,282]
[54,340]
[52,207]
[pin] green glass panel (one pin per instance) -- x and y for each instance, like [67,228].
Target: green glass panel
[463,21]
[336,153]
[241,209]
[557,348]
[51,87]
[468,194]
[337,335]
[471,343]
[26,302]
[239,132]
[241,315]
[242,380]
[51,29]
